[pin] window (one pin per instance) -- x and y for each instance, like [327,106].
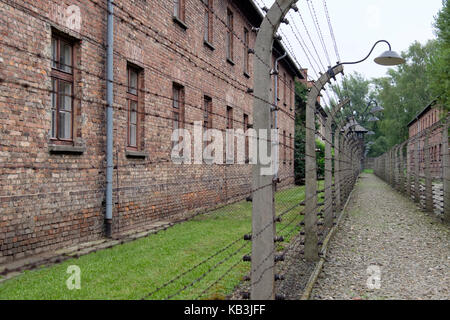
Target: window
[62,89]
[207,113]
[133,106]
[284,89]
[291,103]
[291,150]
[229,118]
[246,127]
[208,22]
[178,107]
[178,9]
[284,147]
[230,136]
[229,35]
[246,53]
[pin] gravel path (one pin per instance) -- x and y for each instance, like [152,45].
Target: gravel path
[386,242]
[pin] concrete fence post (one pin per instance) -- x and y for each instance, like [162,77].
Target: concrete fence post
[428,178]
[263,213]
[446,169]
[310,220]
[402,167]
[328,211]
[408,169]
[416,171]
[337,159]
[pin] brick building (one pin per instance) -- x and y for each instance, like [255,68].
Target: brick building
[426,119]
[175,62]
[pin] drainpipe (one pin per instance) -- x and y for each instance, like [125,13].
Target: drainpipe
[275,109]
[109,118]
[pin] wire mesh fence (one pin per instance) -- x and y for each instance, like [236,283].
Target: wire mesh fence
[203,244]
[418,168]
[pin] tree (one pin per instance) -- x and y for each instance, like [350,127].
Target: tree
[403,93]
[439,70]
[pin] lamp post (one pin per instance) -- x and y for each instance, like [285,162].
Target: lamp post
[310,220]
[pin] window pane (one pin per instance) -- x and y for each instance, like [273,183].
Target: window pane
[65,58]
[206,25]
[176,8]
[53,98]
[53,94]
[65,96]
[133,82]
[65,125]
[176,98]
[53,134]
[133,112]
[132,135]
[54,52]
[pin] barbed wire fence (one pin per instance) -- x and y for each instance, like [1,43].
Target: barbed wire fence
[307,213]
[419,168]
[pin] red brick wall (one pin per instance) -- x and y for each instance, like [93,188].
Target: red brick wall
[49,201]
[426,121]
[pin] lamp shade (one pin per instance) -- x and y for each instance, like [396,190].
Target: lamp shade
[372,119]
[389,58]
[376,109]
[370,133]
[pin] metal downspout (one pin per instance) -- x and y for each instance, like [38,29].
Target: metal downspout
[109,118]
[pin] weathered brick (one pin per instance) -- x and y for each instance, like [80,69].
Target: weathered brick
[57,200]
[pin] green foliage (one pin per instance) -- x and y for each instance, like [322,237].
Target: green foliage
[320,159]
[404,92]
[439,69]
[356,88]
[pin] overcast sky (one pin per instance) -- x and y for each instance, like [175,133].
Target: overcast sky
[357,25]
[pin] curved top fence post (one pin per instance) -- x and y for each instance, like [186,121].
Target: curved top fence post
[263,212]
[311,236]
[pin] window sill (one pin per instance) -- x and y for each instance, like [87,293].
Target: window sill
[136,154]
[180,22]
[231,61]
[66,149]
[209,45]
[246,75]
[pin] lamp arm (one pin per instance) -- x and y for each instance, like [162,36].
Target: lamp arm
[341,63]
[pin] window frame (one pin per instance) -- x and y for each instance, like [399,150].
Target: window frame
[247,145]
[62,76]
[291,150]
[246,53]
[131,97]
[230,35]
[208,27]
[179,10]
[292,89]
[179,111]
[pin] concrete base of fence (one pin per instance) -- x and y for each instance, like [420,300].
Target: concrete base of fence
[313,278]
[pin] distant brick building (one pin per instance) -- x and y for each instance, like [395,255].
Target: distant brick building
[426,119]
[175,62]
